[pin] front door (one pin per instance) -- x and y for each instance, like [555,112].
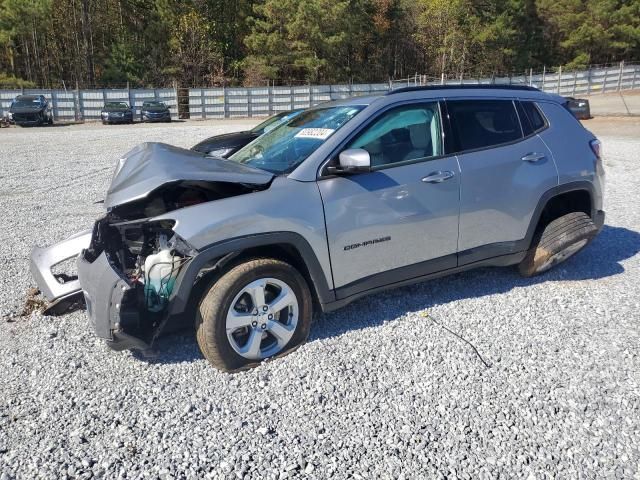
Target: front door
[400,220]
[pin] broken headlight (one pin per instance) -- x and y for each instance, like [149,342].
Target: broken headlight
[147,253]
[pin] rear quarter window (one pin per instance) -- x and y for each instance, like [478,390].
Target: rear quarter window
[534,115]
[483,123]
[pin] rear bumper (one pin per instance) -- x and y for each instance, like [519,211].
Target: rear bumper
[598,219]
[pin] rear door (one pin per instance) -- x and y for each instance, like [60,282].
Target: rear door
[505,170]
[401,219]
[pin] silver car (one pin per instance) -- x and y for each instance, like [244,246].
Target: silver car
[344,200]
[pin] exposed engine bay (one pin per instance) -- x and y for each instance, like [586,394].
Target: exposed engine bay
[147,253]
[131,260]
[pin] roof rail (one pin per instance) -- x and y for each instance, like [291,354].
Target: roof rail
[466,86]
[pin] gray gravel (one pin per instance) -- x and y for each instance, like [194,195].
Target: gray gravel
[380,390]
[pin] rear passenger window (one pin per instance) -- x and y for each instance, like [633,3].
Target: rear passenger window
[483,123]
[533,114]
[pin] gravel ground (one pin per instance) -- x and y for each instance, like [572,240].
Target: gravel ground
[379,391]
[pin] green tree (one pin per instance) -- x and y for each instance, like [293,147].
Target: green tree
[296,39]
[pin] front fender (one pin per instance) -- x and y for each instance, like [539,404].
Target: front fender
[187,277]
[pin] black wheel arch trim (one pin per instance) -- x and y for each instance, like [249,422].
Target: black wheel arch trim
[225,250]
[549,195]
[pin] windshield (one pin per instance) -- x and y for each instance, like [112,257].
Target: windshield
[27,102]
[116,105]
[272,122]
[153,104]
[285,147]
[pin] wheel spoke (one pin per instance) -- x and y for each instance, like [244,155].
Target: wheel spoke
[282,333]
[256,290]
[252,347]
[285,299]
[236,320]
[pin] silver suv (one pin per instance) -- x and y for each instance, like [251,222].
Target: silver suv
[346,199]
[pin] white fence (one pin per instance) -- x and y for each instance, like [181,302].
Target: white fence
[203,103]
[255,102]
[79,105]
[568,83]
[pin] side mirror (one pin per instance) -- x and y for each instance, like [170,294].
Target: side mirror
[353,160]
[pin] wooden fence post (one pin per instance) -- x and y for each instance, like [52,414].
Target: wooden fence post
[559,78]
[175,96]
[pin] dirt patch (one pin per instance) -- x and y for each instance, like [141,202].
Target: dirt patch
[33,303]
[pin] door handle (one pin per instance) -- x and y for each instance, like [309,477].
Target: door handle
[533,157]
[438,177]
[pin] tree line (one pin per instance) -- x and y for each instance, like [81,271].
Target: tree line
[87,43]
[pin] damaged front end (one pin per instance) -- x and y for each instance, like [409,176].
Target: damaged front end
[127,274]
[129,264]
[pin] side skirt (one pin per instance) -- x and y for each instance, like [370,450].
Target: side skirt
[350,293]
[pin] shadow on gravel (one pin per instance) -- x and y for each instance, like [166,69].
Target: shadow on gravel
[600,259]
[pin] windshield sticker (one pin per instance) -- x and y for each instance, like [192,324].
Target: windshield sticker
[319,133]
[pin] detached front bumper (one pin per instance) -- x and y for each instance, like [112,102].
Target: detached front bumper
[60,290]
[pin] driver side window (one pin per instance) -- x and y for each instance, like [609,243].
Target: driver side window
[403,134]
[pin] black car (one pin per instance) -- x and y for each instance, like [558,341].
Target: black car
[31,110]
[579,107]
[153,111]
[229,143]
[116,112]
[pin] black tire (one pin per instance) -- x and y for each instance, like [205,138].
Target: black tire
[211,317]
[559,240]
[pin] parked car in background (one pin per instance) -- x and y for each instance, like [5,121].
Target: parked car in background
[154,111]
[347,199]
[229,143]
[116,112]
[579,107]
[31,110]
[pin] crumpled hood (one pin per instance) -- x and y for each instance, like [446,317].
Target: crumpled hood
[151,165]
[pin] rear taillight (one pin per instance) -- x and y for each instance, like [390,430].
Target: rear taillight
[596,146]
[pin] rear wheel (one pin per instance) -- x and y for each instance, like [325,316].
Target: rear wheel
[559,240]
[259,309]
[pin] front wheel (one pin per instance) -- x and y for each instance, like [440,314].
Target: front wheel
[259,309]
[555,243]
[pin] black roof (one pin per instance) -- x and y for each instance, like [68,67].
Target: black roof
[466,86]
